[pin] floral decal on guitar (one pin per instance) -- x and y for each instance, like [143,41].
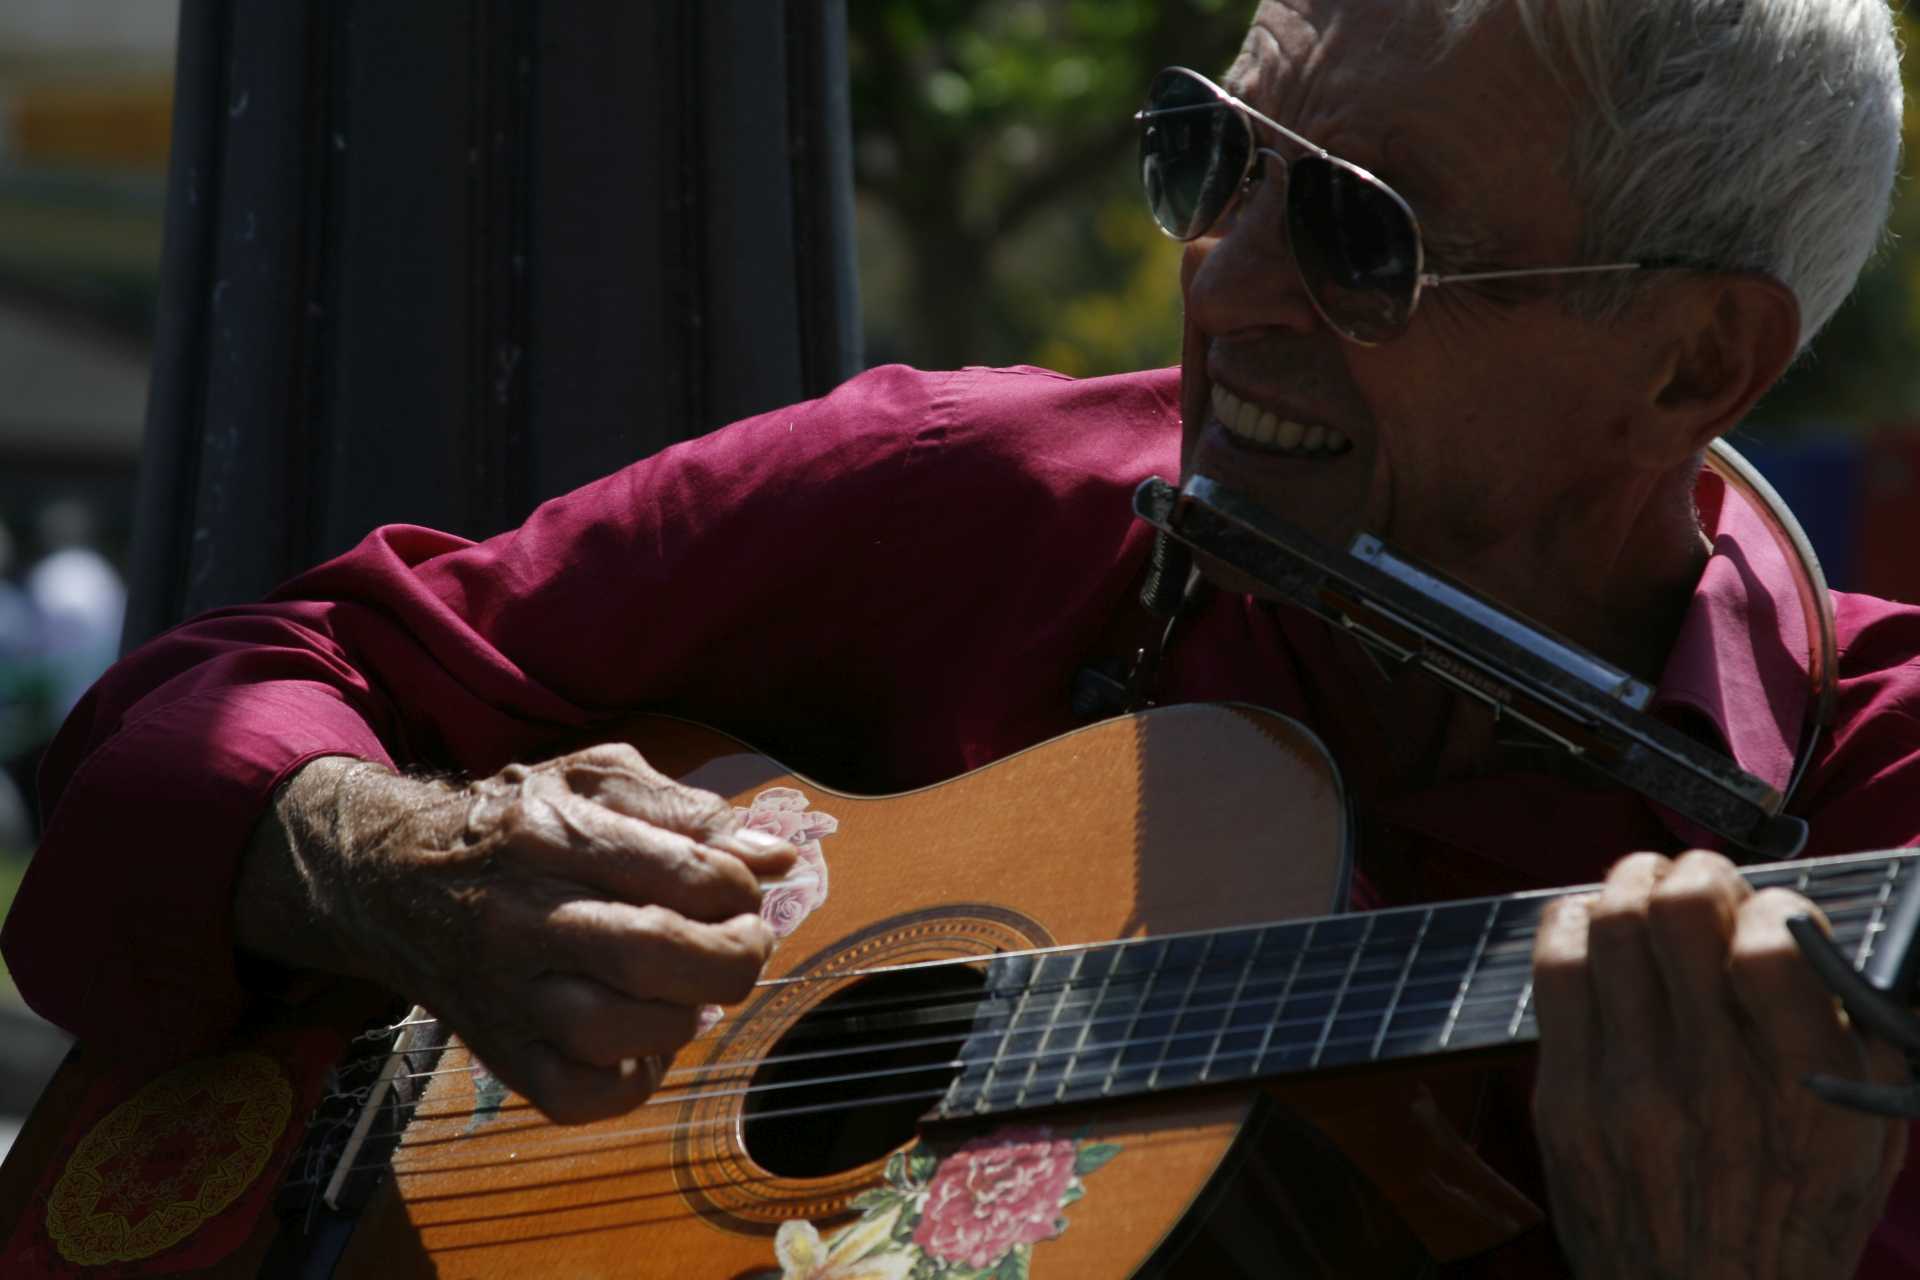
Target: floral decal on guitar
[974,1214]
[783,812]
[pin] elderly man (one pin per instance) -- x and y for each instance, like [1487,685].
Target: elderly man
[1630,218]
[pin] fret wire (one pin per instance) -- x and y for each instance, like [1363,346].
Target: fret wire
[1153,975]
[1520,1010]
[1286,994]
[1455,1006]
[1473,967]
[551,1144]
[1073,1055]
[1257,1054]
[1326,1027]
[1233,1001]
[993,1068]
[1889,883]
[1186,1000]
[1888,876]
[1894,868]
[1053,1017]
[1892,862]
[848,1105]
[1510,959]
[1400,987]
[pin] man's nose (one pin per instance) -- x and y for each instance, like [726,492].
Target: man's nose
[1240,276]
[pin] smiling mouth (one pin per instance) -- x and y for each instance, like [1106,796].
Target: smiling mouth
[1263,429]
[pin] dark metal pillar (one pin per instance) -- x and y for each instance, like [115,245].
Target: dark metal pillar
[437,261]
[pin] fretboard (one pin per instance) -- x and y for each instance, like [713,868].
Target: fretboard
[1145,1015]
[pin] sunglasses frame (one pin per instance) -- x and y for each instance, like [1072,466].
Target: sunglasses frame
[1249,177]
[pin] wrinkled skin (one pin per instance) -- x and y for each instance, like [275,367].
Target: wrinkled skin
[1677,1019]
[567,920]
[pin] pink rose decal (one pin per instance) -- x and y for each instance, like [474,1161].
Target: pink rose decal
[783,812]
[994,1193]
[959,1216]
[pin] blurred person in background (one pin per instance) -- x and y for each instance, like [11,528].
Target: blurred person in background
[80,599]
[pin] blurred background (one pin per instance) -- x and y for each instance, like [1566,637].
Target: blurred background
[999,222]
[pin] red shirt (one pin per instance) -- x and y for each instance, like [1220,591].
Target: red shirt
[882,588]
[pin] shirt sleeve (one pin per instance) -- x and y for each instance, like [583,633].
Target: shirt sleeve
[1863,794]
[683,582]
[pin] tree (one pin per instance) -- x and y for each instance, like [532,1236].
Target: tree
[994,152]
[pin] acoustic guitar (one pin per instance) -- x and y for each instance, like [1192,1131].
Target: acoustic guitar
[1025,1023]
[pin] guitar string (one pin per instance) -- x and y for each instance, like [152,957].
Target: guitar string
[554,1144]
[1802,873]
[1496,962]
[1502,1002]
[558,1146]
[1230,973]
[1889,868]
[972,1007]
[824,1023]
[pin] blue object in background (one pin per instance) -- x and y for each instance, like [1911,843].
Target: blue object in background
[1821,480]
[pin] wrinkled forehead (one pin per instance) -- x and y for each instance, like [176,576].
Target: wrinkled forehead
[1314,36]
[1443,118]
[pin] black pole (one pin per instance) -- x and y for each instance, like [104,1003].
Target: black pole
[436,262]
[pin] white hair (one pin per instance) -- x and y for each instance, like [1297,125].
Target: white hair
[1757,135]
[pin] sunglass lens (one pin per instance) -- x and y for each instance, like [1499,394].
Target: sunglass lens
[1193,154]
[1357,247]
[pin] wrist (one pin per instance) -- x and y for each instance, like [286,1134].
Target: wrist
[322,859]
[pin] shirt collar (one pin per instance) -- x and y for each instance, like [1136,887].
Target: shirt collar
[1740,661]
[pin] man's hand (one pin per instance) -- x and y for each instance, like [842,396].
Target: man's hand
[568,920]
[1677,1018]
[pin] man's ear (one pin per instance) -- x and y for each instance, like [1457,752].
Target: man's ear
[1730,336]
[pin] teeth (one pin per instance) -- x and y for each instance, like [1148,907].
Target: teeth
[1248,421]
[1264,427]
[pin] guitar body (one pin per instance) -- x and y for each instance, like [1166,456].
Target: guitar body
[1186,818]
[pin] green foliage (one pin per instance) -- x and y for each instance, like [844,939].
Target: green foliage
[1860,373]
[994,154]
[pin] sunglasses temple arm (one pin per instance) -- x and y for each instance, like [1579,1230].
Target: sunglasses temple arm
[1429,280]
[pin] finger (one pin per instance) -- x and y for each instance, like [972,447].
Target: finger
[617,776]
[1562,992]
[632,860]
[652,953]
[1691,920]
[1792,1017]
[1629,994]
[570,1092]
[593,1024]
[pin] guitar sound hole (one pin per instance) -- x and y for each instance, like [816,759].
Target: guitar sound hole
[896,1034]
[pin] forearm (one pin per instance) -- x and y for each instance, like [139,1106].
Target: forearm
[330,838]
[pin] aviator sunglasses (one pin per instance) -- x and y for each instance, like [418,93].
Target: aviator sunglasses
[1356,243]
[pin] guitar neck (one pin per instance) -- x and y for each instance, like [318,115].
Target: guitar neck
[1112,1020]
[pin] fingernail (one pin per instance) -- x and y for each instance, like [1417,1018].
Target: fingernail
[755,841]
[798,880]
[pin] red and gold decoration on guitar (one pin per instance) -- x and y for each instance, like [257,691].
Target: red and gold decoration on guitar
[973,1215]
